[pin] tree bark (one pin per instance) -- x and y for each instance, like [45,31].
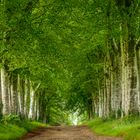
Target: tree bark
[4,90]
[32,101]
[26,98]
[0,96]
[138,75]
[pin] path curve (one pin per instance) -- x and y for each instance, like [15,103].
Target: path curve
[65,133]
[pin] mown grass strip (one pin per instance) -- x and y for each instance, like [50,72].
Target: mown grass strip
[15,131]
[128,128]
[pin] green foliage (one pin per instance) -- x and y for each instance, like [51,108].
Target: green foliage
[16,131]
[127,127]
[29,126]
[12,119]
[9,132]
[63,45]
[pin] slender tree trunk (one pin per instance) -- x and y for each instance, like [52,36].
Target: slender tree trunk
[138,75]
[0,96]
[31,108]
[4,90]
[37,109]
[15,94]
[100,102]
[34,108]
[20,90]
[32,101]
[12,95]
[22,97]
[26,98]
[19,97]
[9,93]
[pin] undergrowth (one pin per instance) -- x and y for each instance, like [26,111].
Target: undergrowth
[12,128]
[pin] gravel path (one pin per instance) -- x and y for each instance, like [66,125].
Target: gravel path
[65,133]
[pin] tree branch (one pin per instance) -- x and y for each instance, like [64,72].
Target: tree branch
[137,42]
[115,44]
[37,87]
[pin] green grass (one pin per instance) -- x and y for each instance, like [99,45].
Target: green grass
[128,128]
[15,131]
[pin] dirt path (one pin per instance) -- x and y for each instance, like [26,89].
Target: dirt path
[65,133]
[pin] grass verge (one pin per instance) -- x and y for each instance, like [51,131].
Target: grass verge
[128,128]
[16,131]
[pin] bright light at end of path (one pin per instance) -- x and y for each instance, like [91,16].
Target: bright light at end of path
[74,119]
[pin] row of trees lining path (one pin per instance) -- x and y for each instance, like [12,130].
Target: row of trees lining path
[81,56]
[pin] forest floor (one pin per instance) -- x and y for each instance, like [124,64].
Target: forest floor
[65,133]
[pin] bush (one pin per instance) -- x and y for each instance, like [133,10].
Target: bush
[12,119]
[15,131]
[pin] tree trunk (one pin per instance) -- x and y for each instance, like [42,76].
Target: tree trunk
[20,90]
[32,101]
[4,90]
[138,75]
[100,103]
[117,90]
[12,95]
[124,75]
[9,93]
[31,108]
[0,96]
[133,81]
[26,98]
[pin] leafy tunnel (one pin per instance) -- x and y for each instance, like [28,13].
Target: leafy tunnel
[61,60]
